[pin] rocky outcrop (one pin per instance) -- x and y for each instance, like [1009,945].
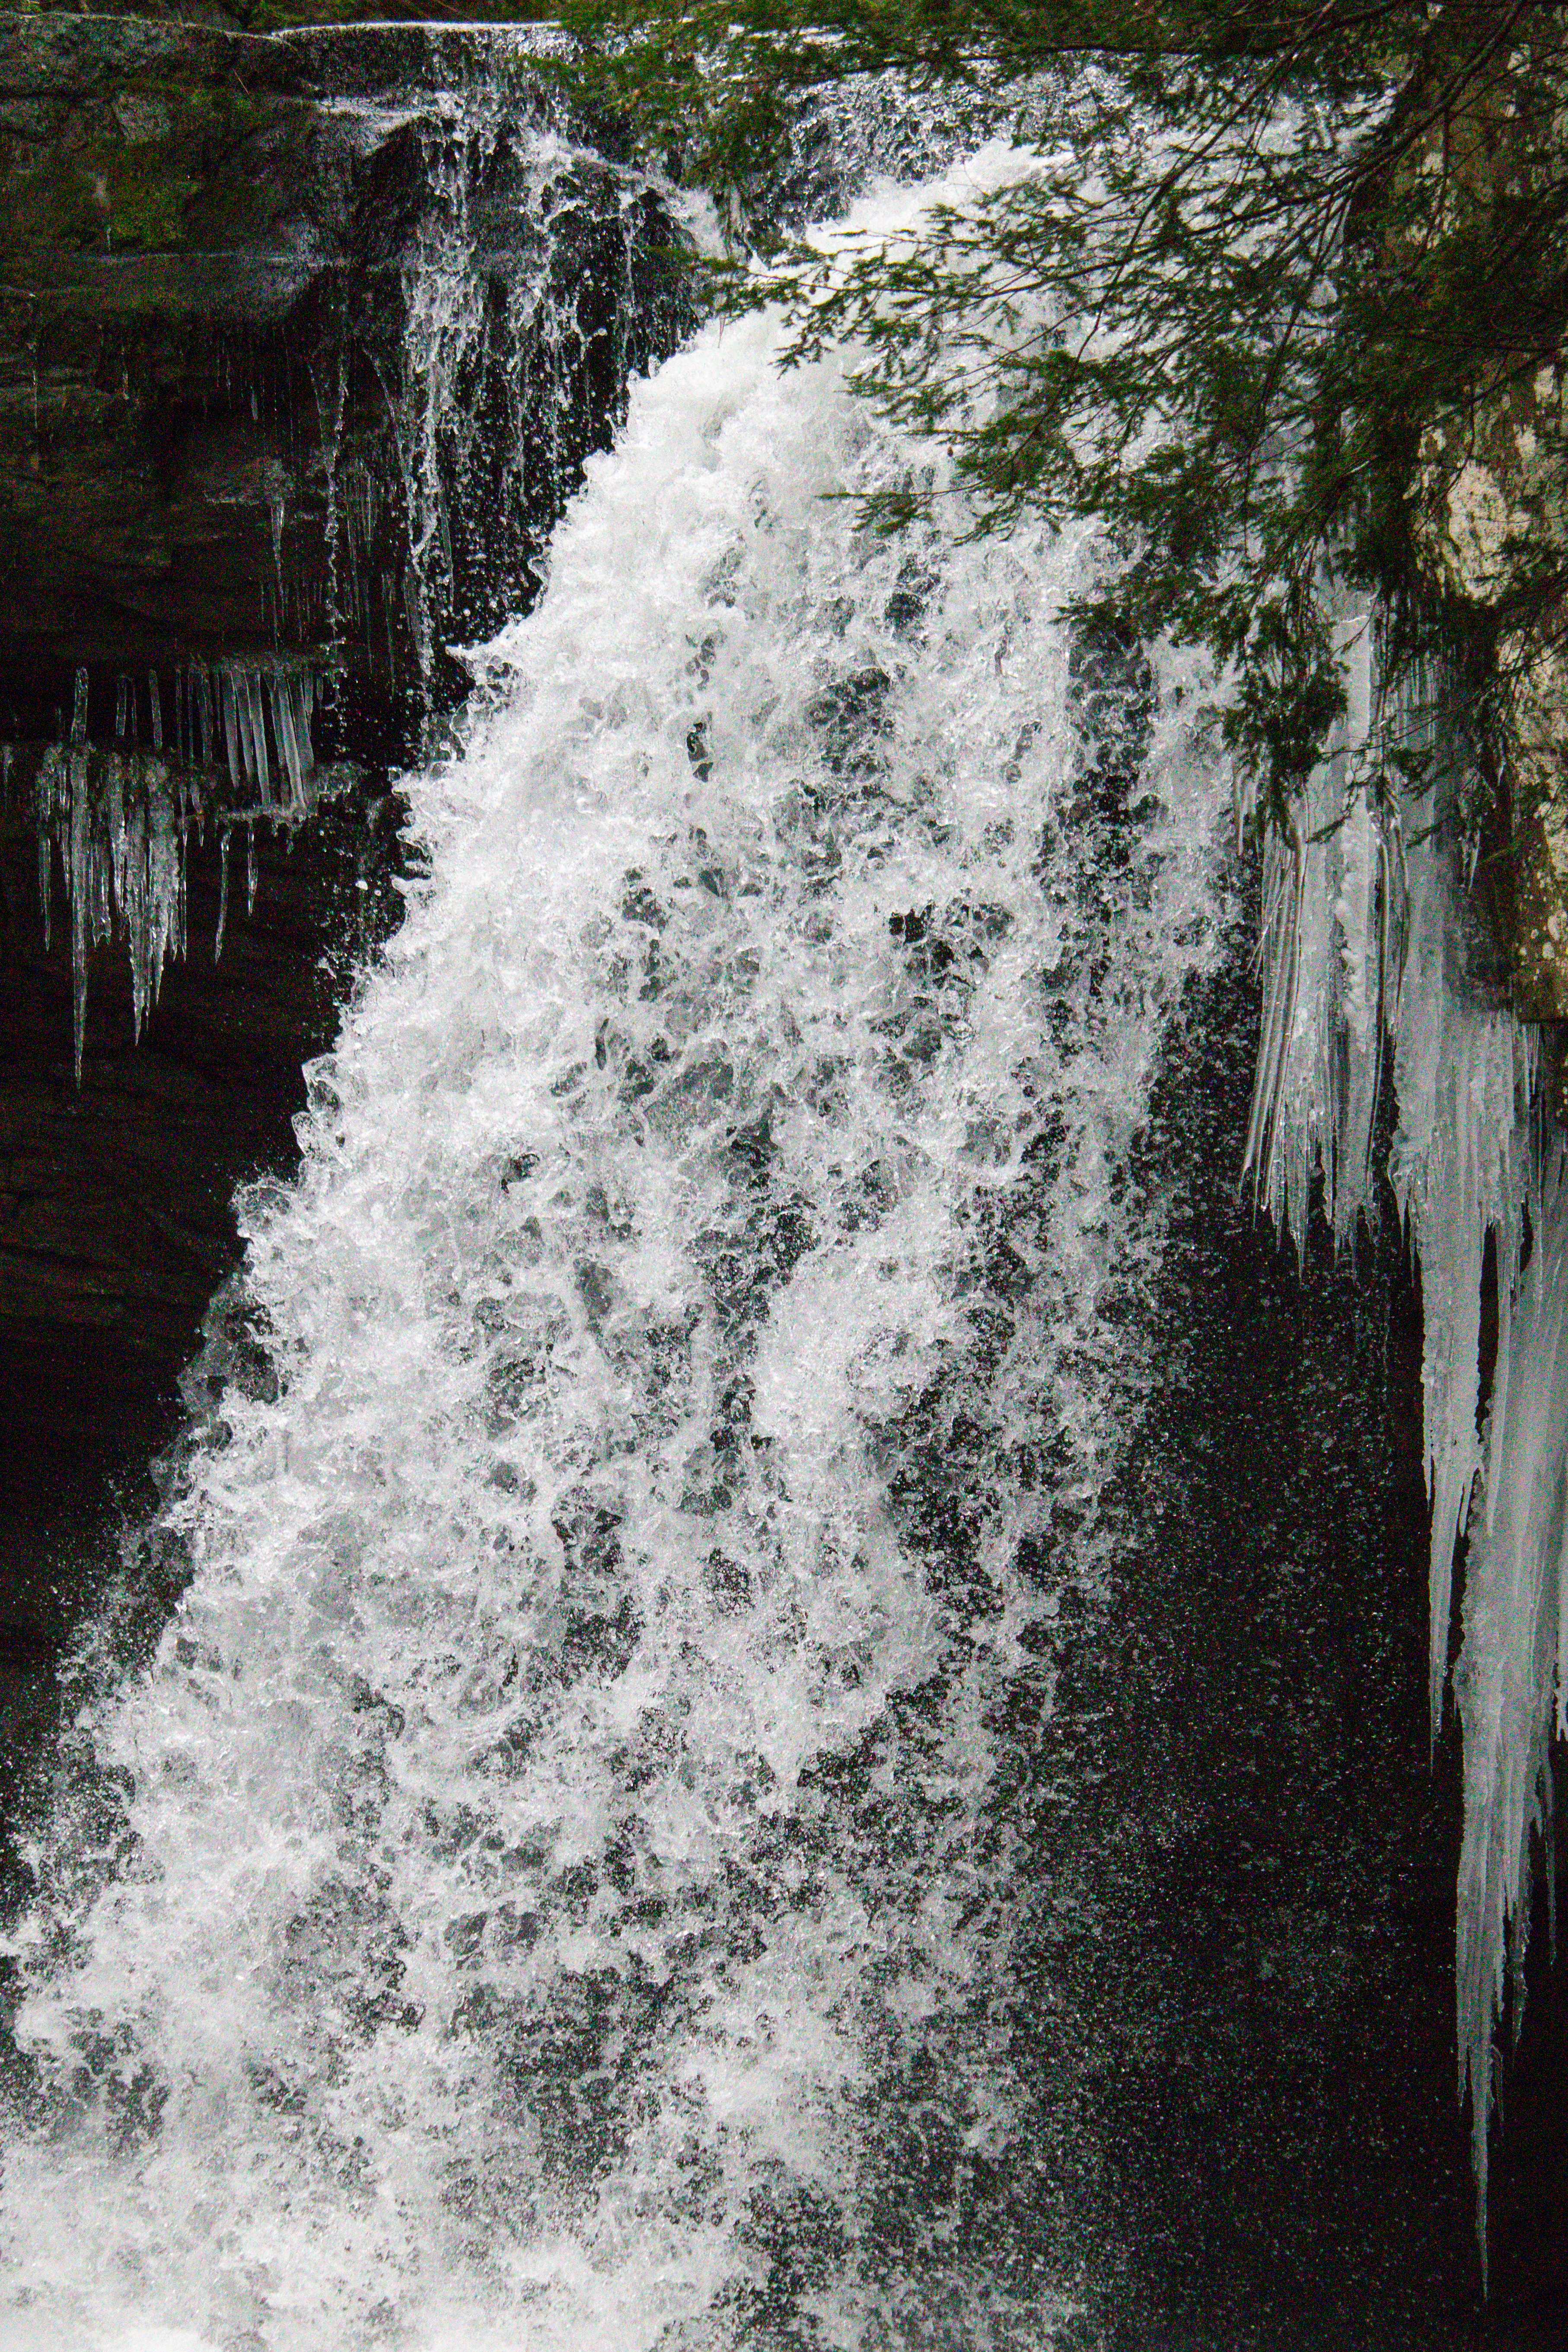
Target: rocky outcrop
[214,247]
[1490,508]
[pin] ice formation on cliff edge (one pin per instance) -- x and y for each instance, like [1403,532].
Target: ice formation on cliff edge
[237,746]
[494,386]
[1367,951]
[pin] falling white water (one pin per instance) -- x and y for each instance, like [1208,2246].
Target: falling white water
[1368,937]
[567,1790]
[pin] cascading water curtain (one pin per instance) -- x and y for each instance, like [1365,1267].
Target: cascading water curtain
[557,1881]
[1366,941]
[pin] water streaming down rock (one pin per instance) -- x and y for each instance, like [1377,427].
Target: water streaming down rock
[536,277]
[563,1813]
[505,284]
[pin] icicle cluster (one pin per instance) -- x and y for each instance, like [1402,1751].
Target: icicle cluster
[237,745]
[1368,948]
[119,822]
[253,719]
[248,717]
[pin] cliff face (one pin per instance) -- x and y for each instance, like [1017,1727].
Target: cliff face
[1490,508]
[216,252]
[178,212]
[302,343]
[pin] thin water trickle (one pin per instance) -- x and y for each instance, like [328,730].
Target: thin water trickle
[560,1844]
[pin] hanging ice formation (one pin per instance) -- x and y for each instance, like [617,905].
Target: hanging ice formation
[1369,945]
[235,745]
[258,714]
[117,820]
[527,303]
[557,1878]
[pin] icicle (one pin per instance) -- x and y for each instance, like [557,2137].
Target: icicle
[44,804]
[231,742]
[249,768]
[249,870]
[1359,1066]
[222,893]
[155,706]
[282,733]
[79,710]
[1508,1677]
[253,722]
[78,873]
[163,922]
[291,698]
[1278,944]
[278,513]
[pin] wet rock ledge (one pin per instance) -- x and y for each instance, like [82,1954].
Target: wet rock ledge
[303,339]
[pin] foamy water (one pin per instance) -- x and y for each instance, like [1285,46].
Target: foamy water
[566,1809]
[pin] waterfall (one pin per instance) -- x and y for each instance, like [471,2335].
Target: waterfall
[558,1863]
[501,309]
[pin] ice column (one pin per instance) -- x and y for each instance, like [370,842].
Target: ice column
[1369,946]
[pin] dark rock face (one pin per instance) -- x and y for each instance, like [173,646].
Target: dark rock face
[1285,2163]
[213,249]
[166,192]
[303,340]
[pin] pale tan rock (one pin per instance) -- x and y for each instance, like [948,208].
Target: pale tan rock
[1492,490]
[1537,742]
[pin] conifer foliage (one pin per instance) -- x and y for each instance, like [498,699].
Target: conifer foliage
[1267,254]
